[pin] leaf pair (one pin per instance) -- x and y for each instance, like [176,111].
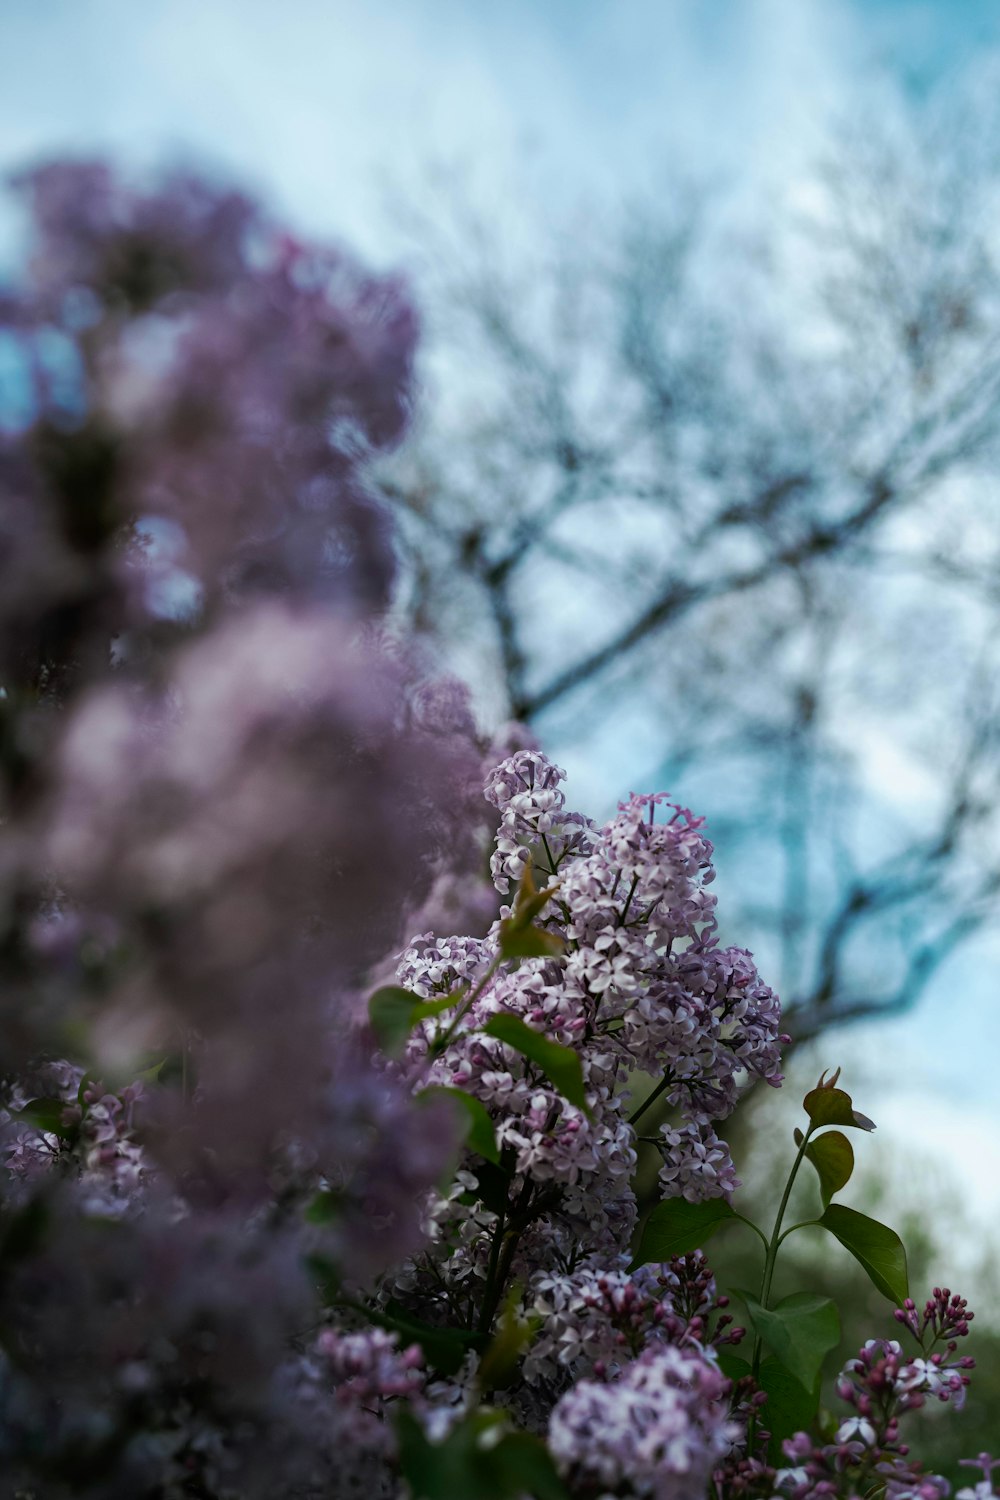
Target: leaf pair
[800,1331]
[677,1227]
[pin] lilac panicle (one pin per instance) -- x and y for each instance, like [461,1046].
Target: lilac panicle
[222,786]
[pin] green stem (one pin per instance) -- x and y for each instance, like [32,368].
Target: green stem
[441,1042]
[510,1226]
[553,869]
[772,1249]
[486,1311]
[804,1224]
[768,1276]
[637,1114]
[751,1225]
[628,900]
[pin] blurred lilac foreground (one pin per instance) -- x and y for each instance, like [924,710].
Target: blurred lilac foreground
[221,784]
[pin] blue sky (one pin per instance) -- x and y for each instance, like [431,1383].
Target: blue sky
[321,102]
[331,106]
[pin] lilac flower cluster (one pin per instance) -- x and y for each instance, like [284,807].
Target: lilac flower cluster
[222,785]
[635,981]
[659,1429]
[95,1138]
[881,1386]
[594,1322]
[640,985]
[697,1164]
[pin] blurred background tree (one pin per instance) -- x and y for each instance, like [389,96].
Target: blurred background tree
[708,498]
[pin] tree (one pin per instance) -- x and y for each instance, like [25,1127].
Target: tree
[731,492]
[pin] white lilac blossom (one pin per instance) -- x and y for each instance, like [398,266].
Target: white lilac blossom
[697,1165]
[658,1429]
[983,1489]
[639,985]
[882,1365]
[525,790]
[597,1319]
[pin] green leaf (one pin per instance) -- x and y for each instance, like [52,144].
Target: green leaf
[480,1136]
[47,1115]
[324,1207]
[732,1366]
[494,1187]
[529,942]
[833,1157]
[561,1065]
[800,1331]
[473,1463]
[529,901]
[677,1227]
[790,1406]
[444,1348]
[393,1013]
[875,1245]
[151,1075]
[828,1105]
[518,937]
[526,1468]
[326,1277]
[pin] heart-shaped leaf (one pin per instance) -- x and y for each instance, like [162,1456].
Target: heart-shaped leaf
[677,1227]
[833,1157]
[800,1331]
[875,1245]
[790,1407]
[828,1105]
[733,1366]
[561,1065]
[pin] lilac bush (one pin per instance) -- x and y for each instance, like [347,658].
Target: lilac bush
[301,1196]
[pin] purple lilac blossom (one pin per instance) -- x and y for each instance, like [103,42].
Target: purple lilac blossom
[223,784]
[659,1429]
[641,986]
